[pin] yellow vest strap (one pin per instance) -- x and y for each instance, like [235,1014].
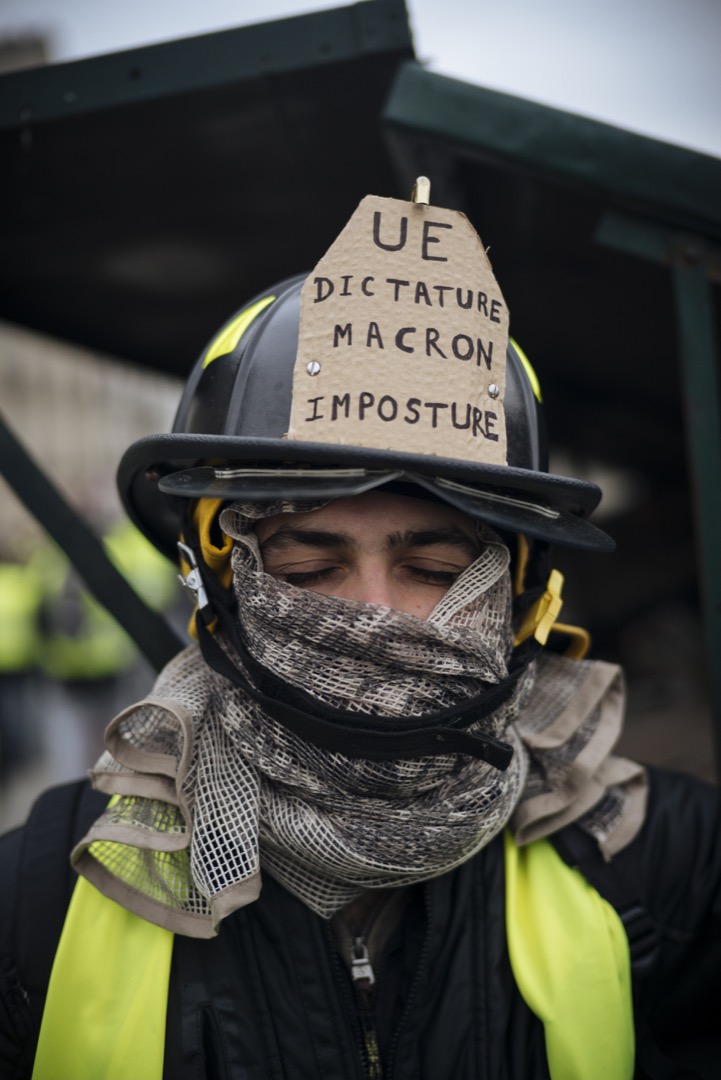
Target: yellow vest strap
[105,1013]
[570,958]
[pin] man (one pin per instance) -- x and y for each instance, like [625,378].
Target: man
[372,824]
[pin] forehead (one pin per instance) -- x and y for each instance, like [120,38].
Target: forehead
[375,514]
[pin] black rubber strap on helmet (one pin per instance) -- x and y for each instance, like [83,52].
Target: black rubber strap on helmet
[373,738]
[343,732]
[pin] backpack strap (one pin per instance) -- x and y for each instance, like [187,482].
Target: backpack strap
[58,820]
[618,882]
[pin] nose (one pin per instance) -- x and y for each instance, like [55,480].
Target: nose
[374,582]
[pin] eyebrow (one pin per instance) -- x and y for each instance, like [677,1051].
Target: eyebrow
[449,536]
[412,538]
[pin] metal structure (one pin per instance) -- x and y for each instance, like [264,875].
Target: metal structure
[147,193]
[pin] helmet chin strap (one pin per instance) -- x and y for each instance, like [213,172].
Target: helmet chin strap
[374,738]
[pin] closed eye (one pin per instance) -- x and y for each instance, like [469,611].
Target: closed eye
[434,577]
[303,578]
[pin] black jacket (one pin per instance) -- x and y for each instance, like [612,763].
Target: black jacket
[270,997]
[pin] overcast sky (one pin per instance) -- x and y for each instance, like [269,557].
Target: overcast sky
[653,66]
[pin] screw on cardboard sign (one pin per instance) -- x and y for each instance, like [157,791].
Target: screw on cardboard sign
[403,338]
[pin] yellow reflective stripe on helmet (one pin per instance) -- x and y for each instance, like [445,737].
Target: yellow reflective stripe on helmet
[231,334]
[107,998]
[570,959]
[530,371]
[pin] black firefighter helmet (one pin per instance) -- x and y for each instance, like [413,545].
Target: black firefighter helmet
[229,441]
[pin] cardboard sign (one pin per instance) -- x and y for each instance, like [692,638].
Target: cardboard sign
[403,338]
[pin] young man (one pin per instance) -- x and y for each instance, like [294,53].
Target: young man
[372,823]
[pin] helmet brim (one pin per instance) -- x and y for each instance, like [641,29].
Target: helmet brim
[159,473]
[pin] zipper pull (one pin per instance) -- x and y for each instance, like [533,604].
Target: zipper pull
[361,968]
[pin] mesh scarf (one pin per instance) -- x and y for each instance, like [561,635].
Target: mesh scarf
[209,790]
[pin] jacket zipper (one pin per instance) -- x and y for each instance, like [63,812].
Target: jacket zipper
[363,981]
[351,1004]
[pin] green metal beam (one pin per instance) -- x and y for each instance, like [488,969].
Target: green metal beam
[197,63]
[694,264]
[639,174]
[702,397]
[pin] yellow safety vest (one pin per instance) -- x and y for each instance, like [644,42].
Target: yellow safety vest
[82,640]
[20,602]
[105,1013]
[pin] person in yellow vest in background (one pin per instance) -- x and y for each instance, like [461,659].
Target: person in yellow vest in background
[81,640]
[89,663]
[65,663]
[20,657]
[371,822]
